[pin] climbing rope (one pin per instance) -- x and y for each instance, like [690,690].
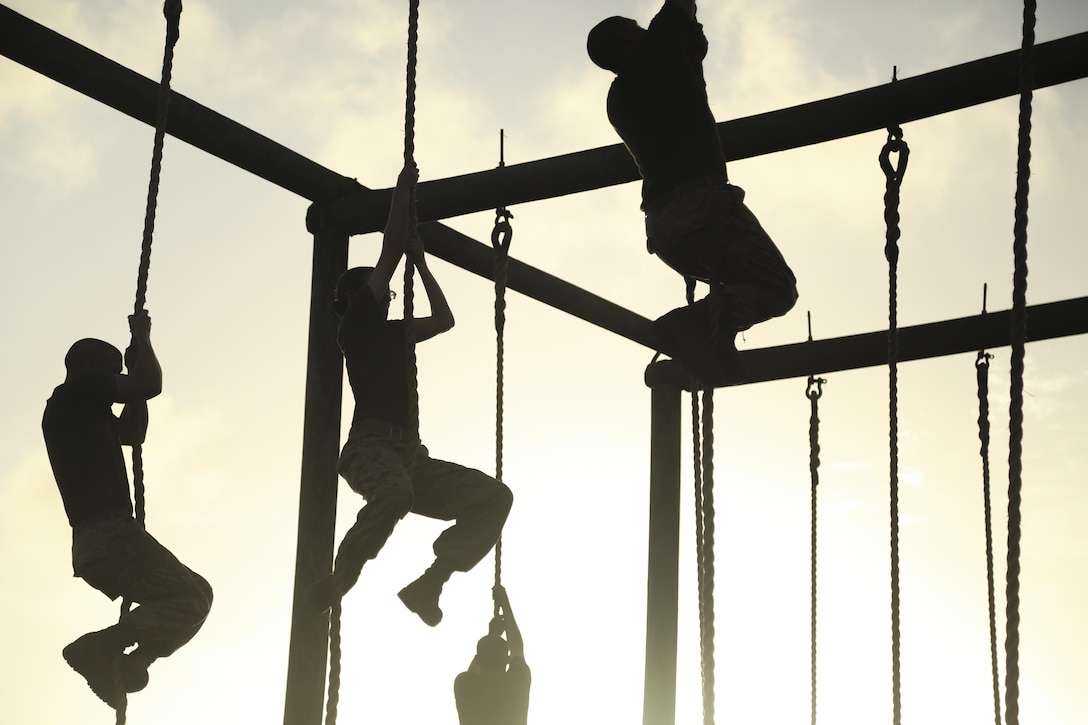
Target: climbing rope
[501,236]
[1018,340]
[172,12]
[335,654]
[702,427]
[705,514]
[982,372]
[813,393]
[894,178]
[333,702]
[409,158]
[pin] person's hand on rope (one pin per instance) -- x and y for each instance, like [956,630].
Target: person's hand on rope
[501,598]
[415,249]
[139,325]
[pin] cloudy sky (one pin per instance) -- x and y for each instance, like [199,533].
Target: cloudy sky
[229,290]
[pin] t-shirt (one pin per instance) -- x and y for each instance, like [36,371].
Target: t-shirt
[80,432]
[376,361]
[502,700]
[659,107]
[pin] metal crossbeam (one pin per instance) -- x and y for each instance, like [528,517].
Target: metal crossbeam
[919,342]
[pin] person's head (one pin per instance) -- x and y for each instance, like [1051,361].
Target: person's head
[613,42]
[492,654]
[352,282]
[92,356]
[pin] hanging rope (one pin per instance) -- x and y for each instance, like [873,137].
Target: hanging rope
[702,427]
[813,393]
[333,703]
[982,371]
[705,514]
[501,236]
[172,12]
[409,158]
[894,179]
[335,616]
[1018,339]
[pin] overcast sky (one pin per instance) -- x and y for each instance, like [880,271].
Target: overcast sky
[229,290]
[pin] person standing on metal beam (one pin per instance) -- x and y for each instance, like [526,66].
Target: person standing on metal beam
[696,221]
[383,459]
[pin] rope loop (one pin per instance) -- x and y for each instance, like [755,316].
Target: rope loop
[503,233]
[895,145]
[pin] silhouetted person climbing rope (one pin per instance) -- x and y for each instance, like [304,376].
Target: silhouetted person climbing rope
[383,459]
[696,221]
[110,550]
[495,688]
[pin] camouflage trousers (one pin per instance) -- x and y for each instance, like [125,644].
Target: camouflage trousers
[120,559]
[399,476]
[705,231]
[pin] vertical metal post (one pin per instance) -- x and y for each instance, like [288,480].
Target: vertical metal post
[308,656]
[662,585]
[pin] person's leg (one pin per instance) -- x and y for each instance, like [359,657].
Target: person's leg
[746,267]
[711,235]
[375,468]
[476,503]
[174,602]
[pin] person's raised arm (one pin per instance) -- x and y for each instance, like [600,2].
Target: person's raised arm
[513,634]
[687,5]
[144,378]
[398,227]
[441,317]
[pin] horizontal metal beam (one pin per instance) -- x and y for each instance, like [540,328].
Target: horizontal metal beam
[472,256]
[81,69]
[909,99]
[94,75]
[920,342]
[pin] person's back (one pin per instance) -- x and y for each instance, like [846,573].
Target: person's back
[658,105]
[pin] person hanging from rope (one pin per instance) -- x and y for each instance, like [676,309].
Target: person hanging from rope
[696,221]
[383,459]
[110,550]
[494,690]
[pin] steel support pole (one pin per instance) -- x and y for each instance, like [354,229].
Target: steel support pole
[309,646]
[662,570]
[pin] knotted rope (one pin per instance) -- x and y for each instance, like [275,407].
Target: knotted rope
[335,615]
[1018,338]
[894,179]
[501,236]
[982,373]
[814,392]
[172,12]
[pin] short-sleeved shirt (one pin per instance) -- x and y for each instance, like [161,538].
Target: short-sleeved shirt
[659,106]
[502,700]
[376,361]
[84,449]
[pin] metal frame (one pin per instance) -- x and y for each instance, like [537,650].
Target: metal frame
[343,207]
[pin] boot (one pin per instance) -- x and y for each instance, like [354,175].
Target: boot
[421,596]
[684,335]
[93,656]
